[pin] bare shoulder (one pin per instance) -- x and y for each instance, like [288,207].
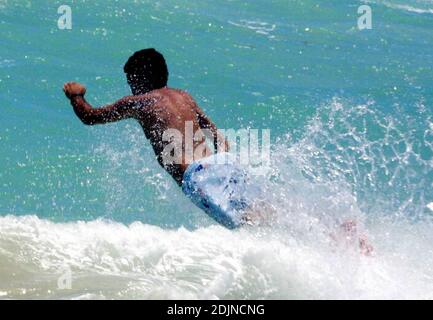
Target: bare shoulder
[170,92]
[140,100]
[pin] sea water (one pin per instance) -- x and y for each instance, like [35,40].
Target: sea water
[87,213]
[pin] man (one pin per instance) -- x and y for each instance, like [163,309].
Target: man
[211,179]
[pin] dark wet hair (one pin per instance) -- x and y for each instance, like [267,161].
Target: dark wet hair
[147,66]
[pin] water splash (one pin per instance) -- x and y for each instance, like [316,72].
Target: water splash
[340,169]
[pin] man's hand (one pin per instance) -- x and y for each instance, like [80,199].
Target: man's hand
[73,89]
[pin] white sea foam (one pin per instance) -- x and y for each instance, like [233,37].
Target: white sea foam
[259,27]
[111,260]
[405,7]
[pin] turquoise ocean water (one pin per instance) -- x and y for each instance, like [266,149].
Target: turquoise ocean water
[351,119]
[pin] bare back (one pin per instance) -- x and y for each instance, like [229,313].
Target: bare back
[158,112]
[171,109]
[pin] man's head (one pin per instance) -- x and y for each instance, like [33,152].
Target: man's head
[146,70]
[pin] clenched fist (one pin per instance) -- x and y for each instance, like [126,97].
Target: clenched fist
[73,89]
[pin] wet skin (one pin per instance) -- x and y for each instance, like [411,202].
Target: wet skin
[156,111]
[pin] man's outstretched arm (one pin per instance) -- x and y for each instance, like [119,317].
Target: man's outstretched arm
[124,108]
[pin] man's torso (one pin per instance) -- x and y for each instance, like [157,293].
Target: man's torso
[170,109]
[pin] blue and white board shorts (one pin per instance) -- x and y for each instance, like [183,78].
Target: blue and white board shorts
[219,187]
